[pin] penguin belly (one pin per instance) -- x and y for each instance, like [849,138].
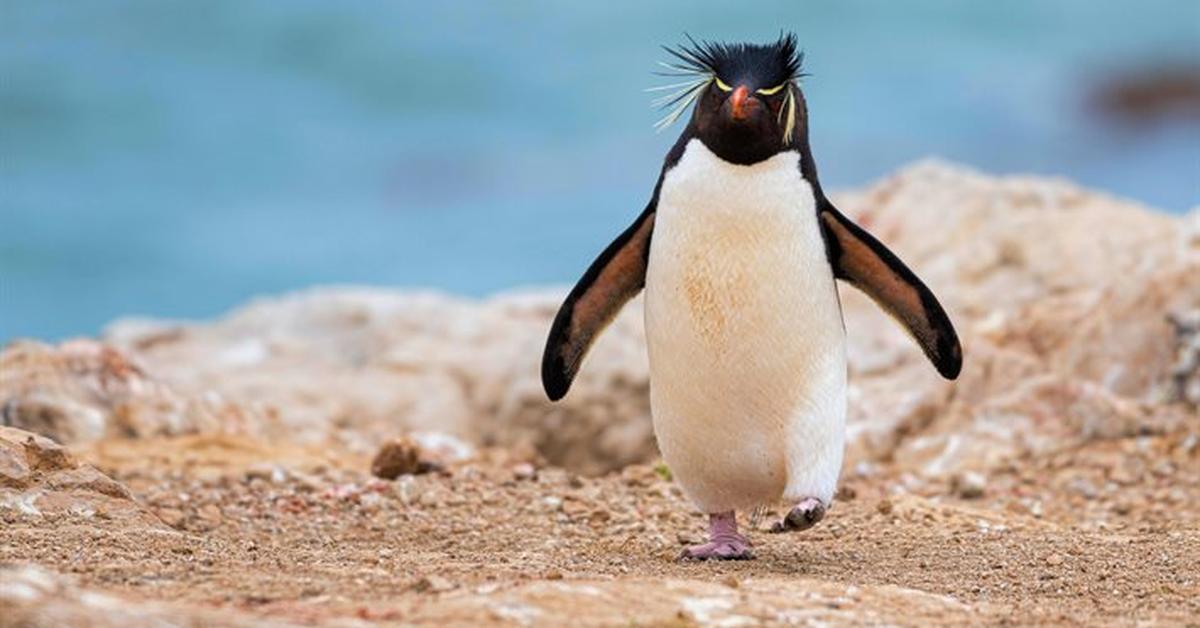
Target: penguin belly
[745,335]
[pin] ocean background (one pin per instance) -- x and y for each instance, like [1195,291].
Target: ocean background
[173,159]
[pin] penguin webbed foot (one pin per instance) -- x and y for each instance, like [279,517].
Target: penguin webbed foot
[724,541]
[738,549]
[804,515]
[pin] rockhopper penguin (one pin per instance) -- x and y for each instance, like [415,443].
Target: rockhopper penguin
[738,250]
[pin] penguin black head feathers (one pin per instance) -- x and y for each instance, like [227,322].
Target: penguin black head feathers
[748,102]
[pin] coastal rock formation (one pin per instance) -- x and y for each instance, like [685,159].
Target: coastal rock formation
[358,367]
[1064,299]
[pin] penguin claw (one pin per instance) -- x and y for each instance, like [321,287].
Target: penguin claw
[802,516]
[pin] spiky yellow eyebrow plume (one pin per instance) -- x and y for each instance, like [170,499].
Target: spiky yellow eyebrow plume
[789,109]
[688,63]
[679,100]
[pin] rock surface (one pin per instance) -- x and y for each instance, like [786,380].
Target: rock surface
[41,480]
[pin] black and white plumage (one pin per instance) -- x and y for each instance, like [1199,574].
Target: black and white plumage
[738,250]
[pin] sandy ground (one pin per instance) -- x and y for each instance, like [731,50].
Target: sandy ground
[1105,534]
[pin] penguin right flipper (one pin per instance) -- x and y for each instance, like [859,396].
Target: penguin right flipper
[616,276]
[863,261]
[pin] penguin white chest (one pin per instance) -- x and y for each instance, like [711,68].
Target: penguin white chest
[745,335]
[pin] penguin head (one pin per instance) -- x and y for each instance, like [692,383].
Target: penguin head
[749,106]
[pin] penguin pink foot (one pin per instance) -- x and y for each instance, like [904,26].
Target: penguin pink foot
[724,542]
[802,516]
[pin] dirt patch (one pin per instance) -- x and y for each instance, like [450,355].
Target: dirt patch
[1105,533]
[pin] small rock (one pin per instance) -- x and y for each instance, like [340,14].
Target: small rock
[554,574]
[210,514]
[397,457]
[731,582]
[172,517]
[524,471]
[432,584]
[968,485]
[443,449]
[1084,488]
[1054,560]
[575,508]
[884,507]
[1017,508]
[1123,475]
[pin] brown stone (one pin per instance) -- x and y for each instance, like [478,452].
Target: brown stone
[397,457]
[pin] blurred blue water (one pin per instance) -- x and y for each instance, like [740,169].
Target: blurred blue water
[173,158]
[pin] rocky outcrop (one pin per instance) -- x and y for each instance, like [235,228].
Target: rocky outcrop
[40,479]
[360,366]
[1074,309]
[1064,298]
[82,390]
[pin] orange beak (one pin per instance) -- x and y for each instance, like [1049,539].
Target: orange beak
[741,105]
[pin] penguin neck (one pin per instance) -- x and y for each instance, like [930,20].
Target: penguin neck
[723,150]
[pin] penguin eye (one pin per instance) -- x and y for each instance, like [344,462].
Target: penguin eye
[721,85]
[773,90]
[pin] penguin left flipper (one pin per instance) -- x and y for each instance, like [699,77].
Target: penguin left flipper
[616,276]
[863,261]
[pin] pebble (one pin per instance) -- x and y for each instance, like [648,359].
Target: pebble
[524,471]
[211,514]
[1084,488]
[172,517]
[968,485]
[397,457]
[1017,508]
[432,584]
[575,507]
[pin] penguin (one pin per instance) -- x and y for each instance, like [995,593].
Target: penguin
[738,251]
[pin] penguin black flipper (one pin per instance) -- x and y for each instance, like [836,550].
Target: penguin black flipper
[864,262]
[617,275]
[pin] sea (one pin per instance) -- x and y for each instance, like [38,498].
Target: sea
[174,159]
